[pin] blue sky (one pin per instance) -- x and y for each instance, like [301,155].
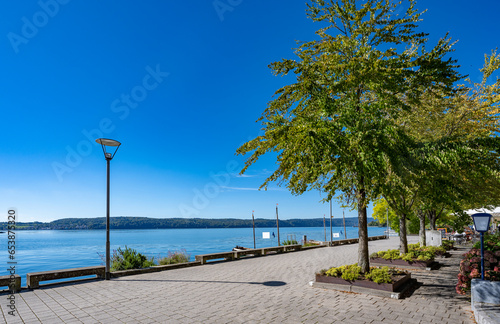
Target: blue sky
[180,84]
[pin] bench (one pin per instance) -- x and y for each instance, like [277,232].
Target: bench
[14,285]
[293,247]
[253,252]
[276,249]
[203,258]
[33,279]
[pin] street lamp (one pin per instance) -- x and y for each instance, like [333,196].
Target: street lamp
[108,156]
[253,225]
[331,228]
[482,224]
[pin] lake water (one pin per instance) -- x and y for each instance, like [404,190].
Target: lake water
[54,250]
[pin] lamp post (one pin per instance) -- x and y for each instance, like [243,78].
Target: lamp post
[253,225]
[108,156]
[331,228]
[482,224]
[324,225]
[278,225]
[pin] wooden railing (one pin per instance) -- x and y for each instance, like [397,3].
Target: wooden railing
[33,279]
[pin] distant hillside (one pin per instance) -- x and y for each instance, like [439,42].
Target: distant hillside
[150,223]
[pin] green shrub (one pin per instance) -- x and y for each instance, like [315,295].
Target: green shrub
[129,259]
[415,252]
[491,242]
[413,246]
[433,250]
[289,242]
[346,272]
[447,244]
[174,257]
[379,275]
[388,255]
[353,272]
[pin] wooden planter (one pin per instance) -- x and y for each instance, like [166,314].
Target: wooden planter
[399,262]
[398,281]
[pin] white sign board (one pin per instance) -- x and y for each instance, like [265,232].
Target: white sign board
[336,235]
[266,235]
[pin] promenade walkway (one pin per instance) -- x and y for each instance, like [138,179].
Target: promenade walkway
[271,289]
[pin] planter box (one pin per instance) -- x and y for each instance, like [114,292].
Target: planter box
[399,262]
[399,280]
[484,291]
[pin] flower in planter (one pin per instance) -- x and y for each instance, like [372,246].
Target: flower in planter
[470,267]
[474,274]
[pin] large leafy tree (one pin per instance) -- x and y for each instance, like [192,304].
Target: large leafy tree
[457,135]
[336,128]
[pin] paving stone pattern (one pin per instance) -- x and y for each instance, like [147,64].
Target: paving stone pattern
[270,289]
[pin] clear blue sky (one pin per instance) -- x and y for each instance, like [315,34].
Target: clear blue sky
[180,84]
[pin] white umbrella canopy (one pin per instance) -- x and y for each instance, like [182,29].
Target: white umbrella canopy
[483,210]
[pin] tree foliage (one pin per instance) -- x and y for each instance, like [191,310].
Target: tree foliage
[457,137]
[380,210]
[335,129]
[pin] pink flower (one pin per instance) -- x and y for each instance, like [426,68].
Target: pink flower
[475,273]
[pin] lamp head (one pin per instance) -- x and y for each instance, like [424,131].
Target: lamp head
[108,142]
[481,222]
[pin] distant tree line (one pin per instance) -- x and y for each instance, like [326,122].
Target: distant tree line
[151,223]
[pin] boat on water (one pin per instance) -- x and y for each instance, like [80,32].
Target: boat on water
[240,248]
[391,232]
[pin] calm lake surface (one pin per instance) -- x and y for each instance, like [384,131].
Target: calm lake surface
[59,249]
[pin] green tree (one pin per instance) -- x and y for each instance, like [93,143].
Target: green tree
[457,136]
[380,210]
[335,128]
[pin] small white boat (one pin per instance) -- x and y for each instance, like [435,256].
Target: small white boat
[391,232]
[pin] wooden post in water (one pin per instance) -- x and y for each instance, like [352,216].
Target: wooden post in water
[278,225]
[345,233]
[253,224]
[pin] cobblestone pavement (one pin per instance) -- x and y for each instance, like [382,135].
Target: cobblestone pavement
[271,289]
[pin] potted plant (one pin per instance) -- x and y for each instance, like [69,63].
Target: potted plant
[379,278]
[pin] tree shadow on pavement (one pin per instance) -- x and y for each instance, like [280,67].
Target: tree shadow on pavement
[265,283]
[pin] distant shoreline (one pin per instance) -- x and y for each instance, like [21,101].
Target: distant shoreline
[127,222]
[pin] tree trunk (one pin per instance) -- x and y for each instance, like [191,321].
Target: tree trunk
[421,231]
[363,255]
[432,216]
[402,234]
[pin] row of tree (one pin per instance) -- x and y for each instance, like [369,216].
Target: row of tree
[377,112]
[152,223]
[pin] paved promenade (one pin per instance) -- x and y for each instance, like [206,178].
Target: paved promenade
[271,289]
